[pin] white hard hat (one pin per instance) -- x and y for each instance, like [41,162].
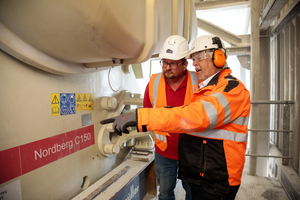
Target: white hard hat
[174,48]
[206,42]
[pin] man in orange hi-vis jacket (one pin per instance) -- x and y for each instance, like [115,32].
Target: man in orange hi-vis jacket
[212,153]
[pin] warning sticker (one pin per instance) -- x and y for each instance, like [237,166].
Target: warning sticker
[84,104]
[55,104]
[90,102]
[78,102]
[69,103]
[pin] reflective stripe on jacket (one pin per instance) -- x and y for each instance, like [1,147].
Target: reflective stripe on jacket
[217,125]
[157,90]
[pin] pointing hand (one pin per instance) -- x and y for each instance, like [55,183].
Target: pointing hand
[121,122]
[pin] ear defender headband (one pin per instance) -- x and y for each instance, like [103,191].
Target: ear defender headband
[218,56]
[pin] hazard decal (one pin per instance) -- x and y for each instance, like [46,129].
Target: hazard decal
[55,104]
[69,103]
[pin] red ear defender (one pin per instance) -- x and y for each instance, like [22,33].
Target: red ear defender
[218,58]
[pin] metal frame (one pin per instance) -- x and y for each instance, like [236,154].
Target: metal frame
[286,132]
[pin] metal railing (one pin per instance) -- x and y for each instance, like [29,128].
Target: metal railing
[286,130]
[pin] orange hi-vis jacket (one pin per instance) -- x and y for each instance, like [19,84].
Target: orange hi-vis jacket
[213,151]
[157,96]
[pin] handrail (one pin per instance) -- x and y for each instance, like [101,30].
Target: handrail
[272,102]
[286,133]
[256,155]
[269,130]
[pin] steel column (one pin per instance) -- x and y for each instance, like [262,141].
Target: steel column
[255,82]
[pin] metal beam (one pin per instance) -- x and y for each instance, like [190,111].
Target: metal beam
[222,33]
[286,18]
[238,50]
[137,70]
[255,83]
[244,61]
[206,5]
[242,51]
[270,12]
[240,44]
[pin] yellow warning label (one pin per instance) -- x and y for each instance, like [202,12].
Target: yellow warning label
[78,101]
[90,101]
[84,104]
[55,104]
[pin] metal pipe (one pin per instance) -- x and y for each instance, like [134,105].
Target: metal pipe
[266,130]
[285,157]
[272,102]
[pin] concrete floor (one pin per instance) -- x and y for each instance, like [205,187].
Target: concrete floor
[260,188]
[252,188]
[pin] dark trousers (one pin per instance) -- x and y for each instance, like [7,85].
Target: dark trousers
[201,192]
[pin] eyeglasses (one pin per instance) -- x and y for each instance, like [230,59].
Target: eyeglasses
[200,55]
[165,64]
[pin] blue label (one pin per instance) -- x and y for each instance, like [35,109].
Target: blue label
[67,103]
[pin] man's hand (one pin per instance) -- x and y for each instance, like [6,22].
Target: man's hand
[121,122]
